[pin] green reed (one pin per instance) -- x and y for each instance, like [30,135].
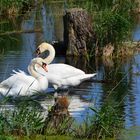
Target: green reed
[26,120]
[12,7]
[112,19]
[105,123]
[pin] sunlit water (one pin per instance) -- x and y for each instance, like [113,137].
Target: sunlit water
[122,77]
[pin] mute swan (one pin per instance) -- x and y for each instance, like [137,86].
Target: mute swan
[22,84]
[61,75]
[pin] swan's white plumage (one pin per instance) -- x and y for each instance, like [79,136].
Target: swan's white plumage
[62,75]
[64,70]
[59,82]
[19,83]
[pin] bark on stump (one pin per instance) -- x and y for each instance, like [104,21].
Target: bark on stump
[78,31]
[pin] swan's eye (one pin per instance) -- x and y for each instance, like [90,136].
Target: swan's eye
[38,51]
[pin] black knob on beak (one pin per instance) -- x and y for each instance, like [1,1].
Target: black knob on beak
[37,51]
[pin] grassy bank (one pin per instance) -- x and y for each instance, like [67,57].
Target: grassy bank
[112,21]
[25,121]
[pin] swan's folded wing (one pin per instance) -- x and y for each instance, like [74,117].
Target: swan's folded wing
[14,78]
[17,82]
[76,80]
[64,70]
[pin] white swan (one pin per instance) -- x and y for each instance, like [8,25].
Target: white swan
[61,75]
[22,84]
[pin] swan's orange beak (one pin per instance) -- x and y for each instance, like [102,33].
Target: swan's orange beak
[44,66]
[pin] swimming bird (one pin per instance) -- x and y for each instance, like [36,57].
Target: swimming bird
[61,75]
[20,83]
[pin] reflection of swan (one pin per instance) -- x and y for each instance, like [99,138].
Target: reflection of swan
[23,84]
[61,75]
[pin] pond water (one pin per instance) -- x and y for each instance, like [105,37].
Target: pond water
[122,86]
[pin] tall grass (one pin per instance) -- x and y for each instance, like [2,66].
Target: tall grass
[106,123]
[111,27]
[12,7]
[26,119]
[112,19]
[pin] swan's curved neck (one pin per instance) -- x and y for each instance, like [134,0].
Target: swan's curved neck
[51,55]
[32,70]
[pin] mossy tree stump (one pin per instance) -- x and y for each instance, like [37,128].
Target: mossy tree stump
[77,31]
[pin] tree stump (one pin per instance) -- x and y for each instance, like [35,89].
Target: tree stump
[78,31]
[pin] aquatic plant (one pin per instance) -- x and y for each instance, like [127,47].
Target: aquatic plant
[26,119]
[105,123]
[12,7]
[23,119]
[62,128]
[112,19]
